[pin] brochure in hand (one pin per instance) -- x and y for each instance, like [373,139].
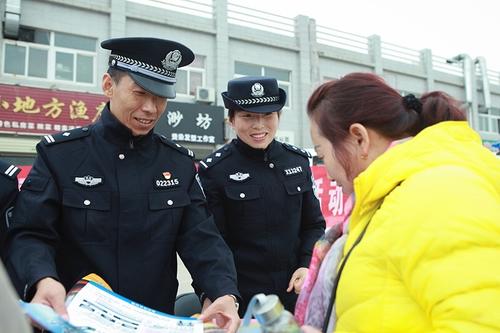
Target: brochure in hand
[93,307]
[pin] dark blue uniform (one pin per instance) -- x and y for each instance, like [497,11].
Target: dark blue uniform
[265,207]
[99,200]
[8,194]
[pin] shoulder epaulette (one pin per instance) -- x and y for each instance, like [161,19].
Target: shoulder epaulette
[176,146]
[77,133]
[215,157]
[297,150]
[9,170]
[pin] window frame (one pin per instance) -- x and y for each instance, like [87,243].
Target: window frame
[189,69]
[51,61]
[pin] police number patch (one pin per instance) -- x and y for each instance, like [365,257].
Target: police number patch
[167,182]
[293,171]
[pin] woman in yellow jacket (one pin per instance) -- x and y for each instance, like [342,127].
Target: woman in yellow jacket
[422,252]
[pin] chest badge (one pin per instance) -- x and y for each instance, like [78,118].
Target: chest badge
[88,181]
[239,176]
[293,171]
[167,181]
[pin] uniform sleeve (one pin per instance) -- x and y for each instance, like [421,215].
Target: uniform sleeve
[215,199]
[312,224]
[33,236]
[203,251]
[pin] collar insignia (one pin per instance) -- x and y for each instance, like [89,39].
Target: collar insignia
[293,171]
[239,176]
[88,181]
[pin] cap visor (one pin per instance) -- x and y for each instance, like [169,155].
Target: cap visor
[155,87]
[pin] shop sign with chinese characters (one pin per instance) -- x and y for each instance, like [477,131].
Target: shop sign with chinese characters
[194,123]
[26,110]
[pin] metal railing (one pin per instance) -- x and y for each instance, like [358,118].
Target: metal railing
[256,19]
[494,77]
[400,53]
[342,39]
[203,8]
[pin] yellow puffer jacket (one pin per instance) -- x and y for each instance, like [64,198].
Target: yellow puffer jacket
[430,258]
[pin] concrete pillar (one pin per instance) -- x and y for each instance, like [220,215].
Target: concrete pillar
[223,72]
[375,50]
[304,42]
[117,18]
[426,60]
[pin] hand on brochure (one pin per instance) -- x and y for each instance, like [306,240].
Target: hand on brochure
[224,312]
[51,292]
[297,280]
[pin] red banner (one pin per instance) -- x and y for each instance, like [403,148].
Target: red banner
[333,201]
[25,110]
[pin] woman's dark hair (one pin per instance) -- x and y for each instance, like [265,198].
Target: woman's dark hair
[366,99]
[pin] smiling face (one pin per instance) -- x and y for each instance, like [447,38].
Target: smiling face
[133,106]
[255,129]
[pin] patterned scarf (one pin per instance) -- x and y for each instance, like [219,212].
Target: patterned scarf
[314,298]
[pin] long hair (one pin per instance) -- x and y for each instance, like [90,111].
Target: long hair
[366,99]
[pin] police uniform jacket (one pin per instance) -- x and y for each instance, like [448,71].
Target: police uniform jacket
[100,200]
[8,194]
[265,207]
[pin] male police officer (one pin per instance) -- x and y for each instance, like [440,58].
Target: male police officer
[118,200]
[8,194]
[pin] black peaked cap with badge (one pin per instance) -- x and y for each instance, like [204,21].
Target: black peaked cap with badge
[259,94]
[151,62]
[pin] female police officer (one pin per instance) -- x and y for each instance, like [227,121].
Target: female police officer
[261,194]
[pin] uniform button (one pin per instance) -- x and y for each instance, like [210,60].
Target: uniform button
[170,202]
[121,156]
[298,188]
[85,129]
[271,165]
[242,195]
[86,202]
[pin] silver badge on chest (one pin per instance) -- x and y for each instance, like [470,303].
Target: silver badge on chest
[88,181]
[239,176]
[293,171]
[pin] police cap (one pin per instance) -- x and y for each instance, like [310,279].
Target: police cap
[259,94]
[151,62]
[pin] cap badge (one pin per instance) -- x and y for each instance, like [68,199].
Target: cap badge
[172,60]
[257,90]
[239,176]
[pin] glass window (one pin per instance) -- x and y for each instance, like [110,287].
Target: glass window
[195,80]
[278,74]
[242,68]
[15,57]
[64,66]
[74,42]
[181,84]
[198,62]
[37,62]
[84,68]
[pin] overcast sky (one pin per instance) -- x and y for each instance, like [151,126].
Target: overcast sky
[447,27]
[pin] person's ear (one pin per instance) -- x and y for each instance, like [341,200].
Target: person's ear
[107,85]
[360,136]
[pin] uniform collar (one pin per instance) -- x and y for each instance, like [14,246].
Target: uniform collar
[260,154]
[114,131]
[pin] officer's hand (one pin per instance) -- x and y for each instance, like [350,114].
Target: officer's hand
[309,329]
[223,311]
[51,293]
[297,280]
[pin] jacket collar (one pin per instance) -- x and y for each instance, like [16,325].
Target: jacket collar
[259,154]
[114,131]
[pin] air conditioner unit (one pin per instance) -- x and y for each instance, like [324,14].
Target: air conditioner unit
[204,94]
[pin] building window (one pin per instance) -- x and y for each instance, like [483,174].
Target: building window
[190,77]
[53,56]
[281,75]
[489,120]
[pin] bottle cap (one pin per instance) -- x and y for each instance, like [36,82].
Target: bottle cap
[267,308]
